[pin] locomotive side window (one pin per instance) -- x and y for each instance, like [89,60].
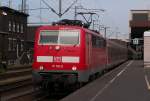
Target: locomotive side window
[94,39]
[103,42]
[98,42]
[69,37]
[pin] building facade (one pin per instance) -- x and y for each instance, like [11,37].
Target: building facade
[31,30]
[139,23]
[13,29]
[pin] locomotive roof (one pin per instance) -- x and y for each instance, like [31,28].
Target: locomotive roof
[68,27]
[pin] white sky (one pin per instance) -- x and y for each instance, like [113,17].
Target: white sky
[116,16]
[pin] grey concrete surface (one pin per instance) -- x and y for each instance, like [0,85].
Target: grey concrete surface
[125,83]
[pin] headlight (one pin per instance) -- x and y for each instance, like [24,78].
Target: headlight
[74,68]
[57,48]
[41,68]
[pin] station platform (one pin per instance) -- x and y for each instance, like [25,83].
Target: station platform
[128,82]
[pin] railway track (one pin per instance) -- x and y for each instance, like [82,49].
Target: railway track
[16,84]
[40,95]
[54,96]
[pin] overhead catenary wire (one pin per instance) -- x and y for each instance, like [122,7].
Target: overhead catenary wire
[69,7]
[60,13]
[53,10]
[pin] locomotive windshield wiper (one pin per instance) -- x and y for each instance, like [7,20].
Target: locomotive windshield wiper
[42,44]
[75,45]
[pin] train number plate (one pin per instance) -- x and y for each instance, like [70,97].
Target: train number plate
[58,59]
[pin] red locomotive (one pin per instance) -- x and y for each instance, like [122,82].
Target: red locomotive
[70,54]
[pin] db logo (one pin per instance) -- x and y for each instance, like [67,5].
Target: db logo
[57,59]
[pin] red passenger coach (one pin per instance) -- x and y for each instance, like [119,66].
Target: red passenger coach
[64,53]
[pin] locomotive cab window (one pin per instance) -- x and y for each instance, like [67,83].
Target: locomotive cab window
[48,37]
[66,37]
[69,37]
